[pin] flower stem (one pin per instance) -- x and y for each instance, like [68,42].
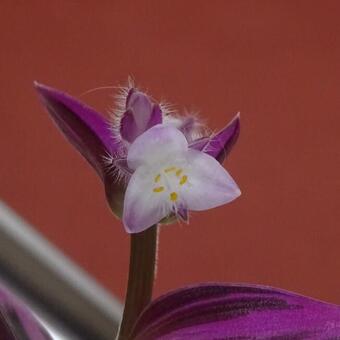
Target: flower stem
[143,252]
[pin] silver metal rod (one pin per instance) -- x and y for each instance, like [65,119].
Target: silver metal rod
[59,290]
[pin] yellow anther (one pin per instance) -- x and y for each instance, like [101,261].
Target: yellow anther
[183,180]
[173,196]
[178,172]
[157,178]
[171,168]
[158,189]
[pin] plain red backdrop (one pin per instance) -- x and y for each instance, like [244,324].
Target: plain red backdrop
[275,61]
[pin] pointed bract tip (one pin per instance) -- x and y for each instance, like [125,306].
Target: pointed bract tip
[236,120]
[222,142]
[38,85]
[44,90]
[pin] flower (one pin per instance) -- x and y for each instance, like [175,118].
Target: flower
[153,163]
[236,311]
[170,177]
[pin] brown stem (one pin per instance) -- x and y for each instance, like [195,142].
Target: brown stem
[143,249]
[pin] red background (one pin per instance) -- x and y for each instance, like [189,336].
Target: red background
[275,61]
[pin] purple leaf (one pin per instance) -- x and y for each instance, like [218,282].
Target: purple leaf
[17,322]
[216,311]
[86,129]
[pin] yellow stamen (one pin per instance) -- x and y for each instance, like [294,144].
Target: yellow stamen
[178,172]
[173,196]
[183,180]
[157,178]
[158,189]
[171,168]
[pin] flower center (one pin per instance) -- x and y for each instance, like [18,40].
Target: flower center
[170,180]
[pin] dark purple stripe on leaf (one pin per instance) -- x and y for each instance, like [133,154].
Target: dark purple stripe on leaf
[213,311]
[189,295]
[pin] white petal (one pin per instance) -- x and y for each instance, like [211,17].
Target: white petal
[209,185]
[157,144]
[142,206]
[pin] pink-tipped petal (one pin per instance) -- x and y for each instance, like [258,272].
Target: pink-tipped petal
[142,206]
[139,103]
[209,185]
[141,114]
[155,145]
